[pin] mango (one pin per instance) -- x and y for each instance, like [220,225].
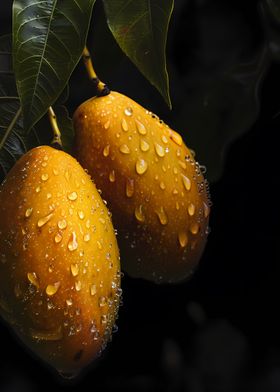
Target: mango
[59,260]
[152,183]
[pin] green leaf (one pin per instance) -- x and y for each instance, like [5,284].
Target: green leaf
[140,28]
[14,139]
[48,40]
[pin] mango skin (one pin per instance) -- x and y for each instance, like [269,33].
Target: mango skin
[153,186]
[59,260]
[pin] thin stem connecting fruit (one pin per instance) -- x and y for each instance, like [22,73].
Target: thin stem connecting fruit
[101,87]
[56,132]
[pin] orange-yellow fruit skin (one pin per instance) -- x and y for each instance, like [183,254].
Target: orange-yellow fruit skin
[59,267]
[152,184]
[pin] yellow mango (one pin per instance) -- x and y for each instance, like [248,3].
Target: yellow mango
[59,260]
[153,186]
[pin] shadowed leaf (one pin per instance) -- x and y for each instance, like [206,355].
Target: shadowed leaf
[140,28]
[48,39]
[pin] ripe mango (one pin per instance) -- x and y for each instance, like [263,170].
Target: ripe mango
[153,186]
[59,260]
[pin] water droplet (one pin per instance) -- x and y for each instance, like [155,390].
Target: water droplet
[128,111]
[140,127]
[107,124]
[55,172]
[124,125]
[44,177]
[88,224]
[159,150]
[124,149]
[106,151]
[33,279]
[162,185]
[69,302]
[175,191]
[182,164]
[73,244]
[194,229]
[164,139]
[37,190]
[139,215]
[51,289]
[162,216]
[175,170]
[72,196]
[41,222]
[78,285]
[177,206]
[81,214]
[93,289]
[141,166]
[87,237]
[102,301]
[176,138]
[112,176]
[49,195]
[62,224]
[206,210]
[186,182]
[129,187]
[99,245]
[44,164]
[144,145]
[57,238]
[183,239]
[103,319]
[191,209]
[74,269]
[114,285]
[28,212]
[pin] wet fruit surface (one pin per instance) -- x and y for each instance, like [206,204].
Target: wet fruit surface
[59,267]
[152,183]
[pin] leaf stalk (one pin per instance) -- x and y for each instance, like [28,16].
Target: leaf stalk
[101,87]
[56,132]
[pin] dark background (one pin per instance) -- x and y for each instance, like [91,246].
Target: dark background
[219,331]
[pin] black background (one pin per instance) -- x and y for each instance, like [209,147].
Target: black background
[219,331]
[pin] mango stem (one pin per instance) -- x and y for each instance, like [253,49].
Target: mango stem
[101,87]
[56,142]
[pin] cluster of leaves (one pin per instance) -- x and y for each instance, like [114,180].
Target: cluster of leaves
[48,38]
